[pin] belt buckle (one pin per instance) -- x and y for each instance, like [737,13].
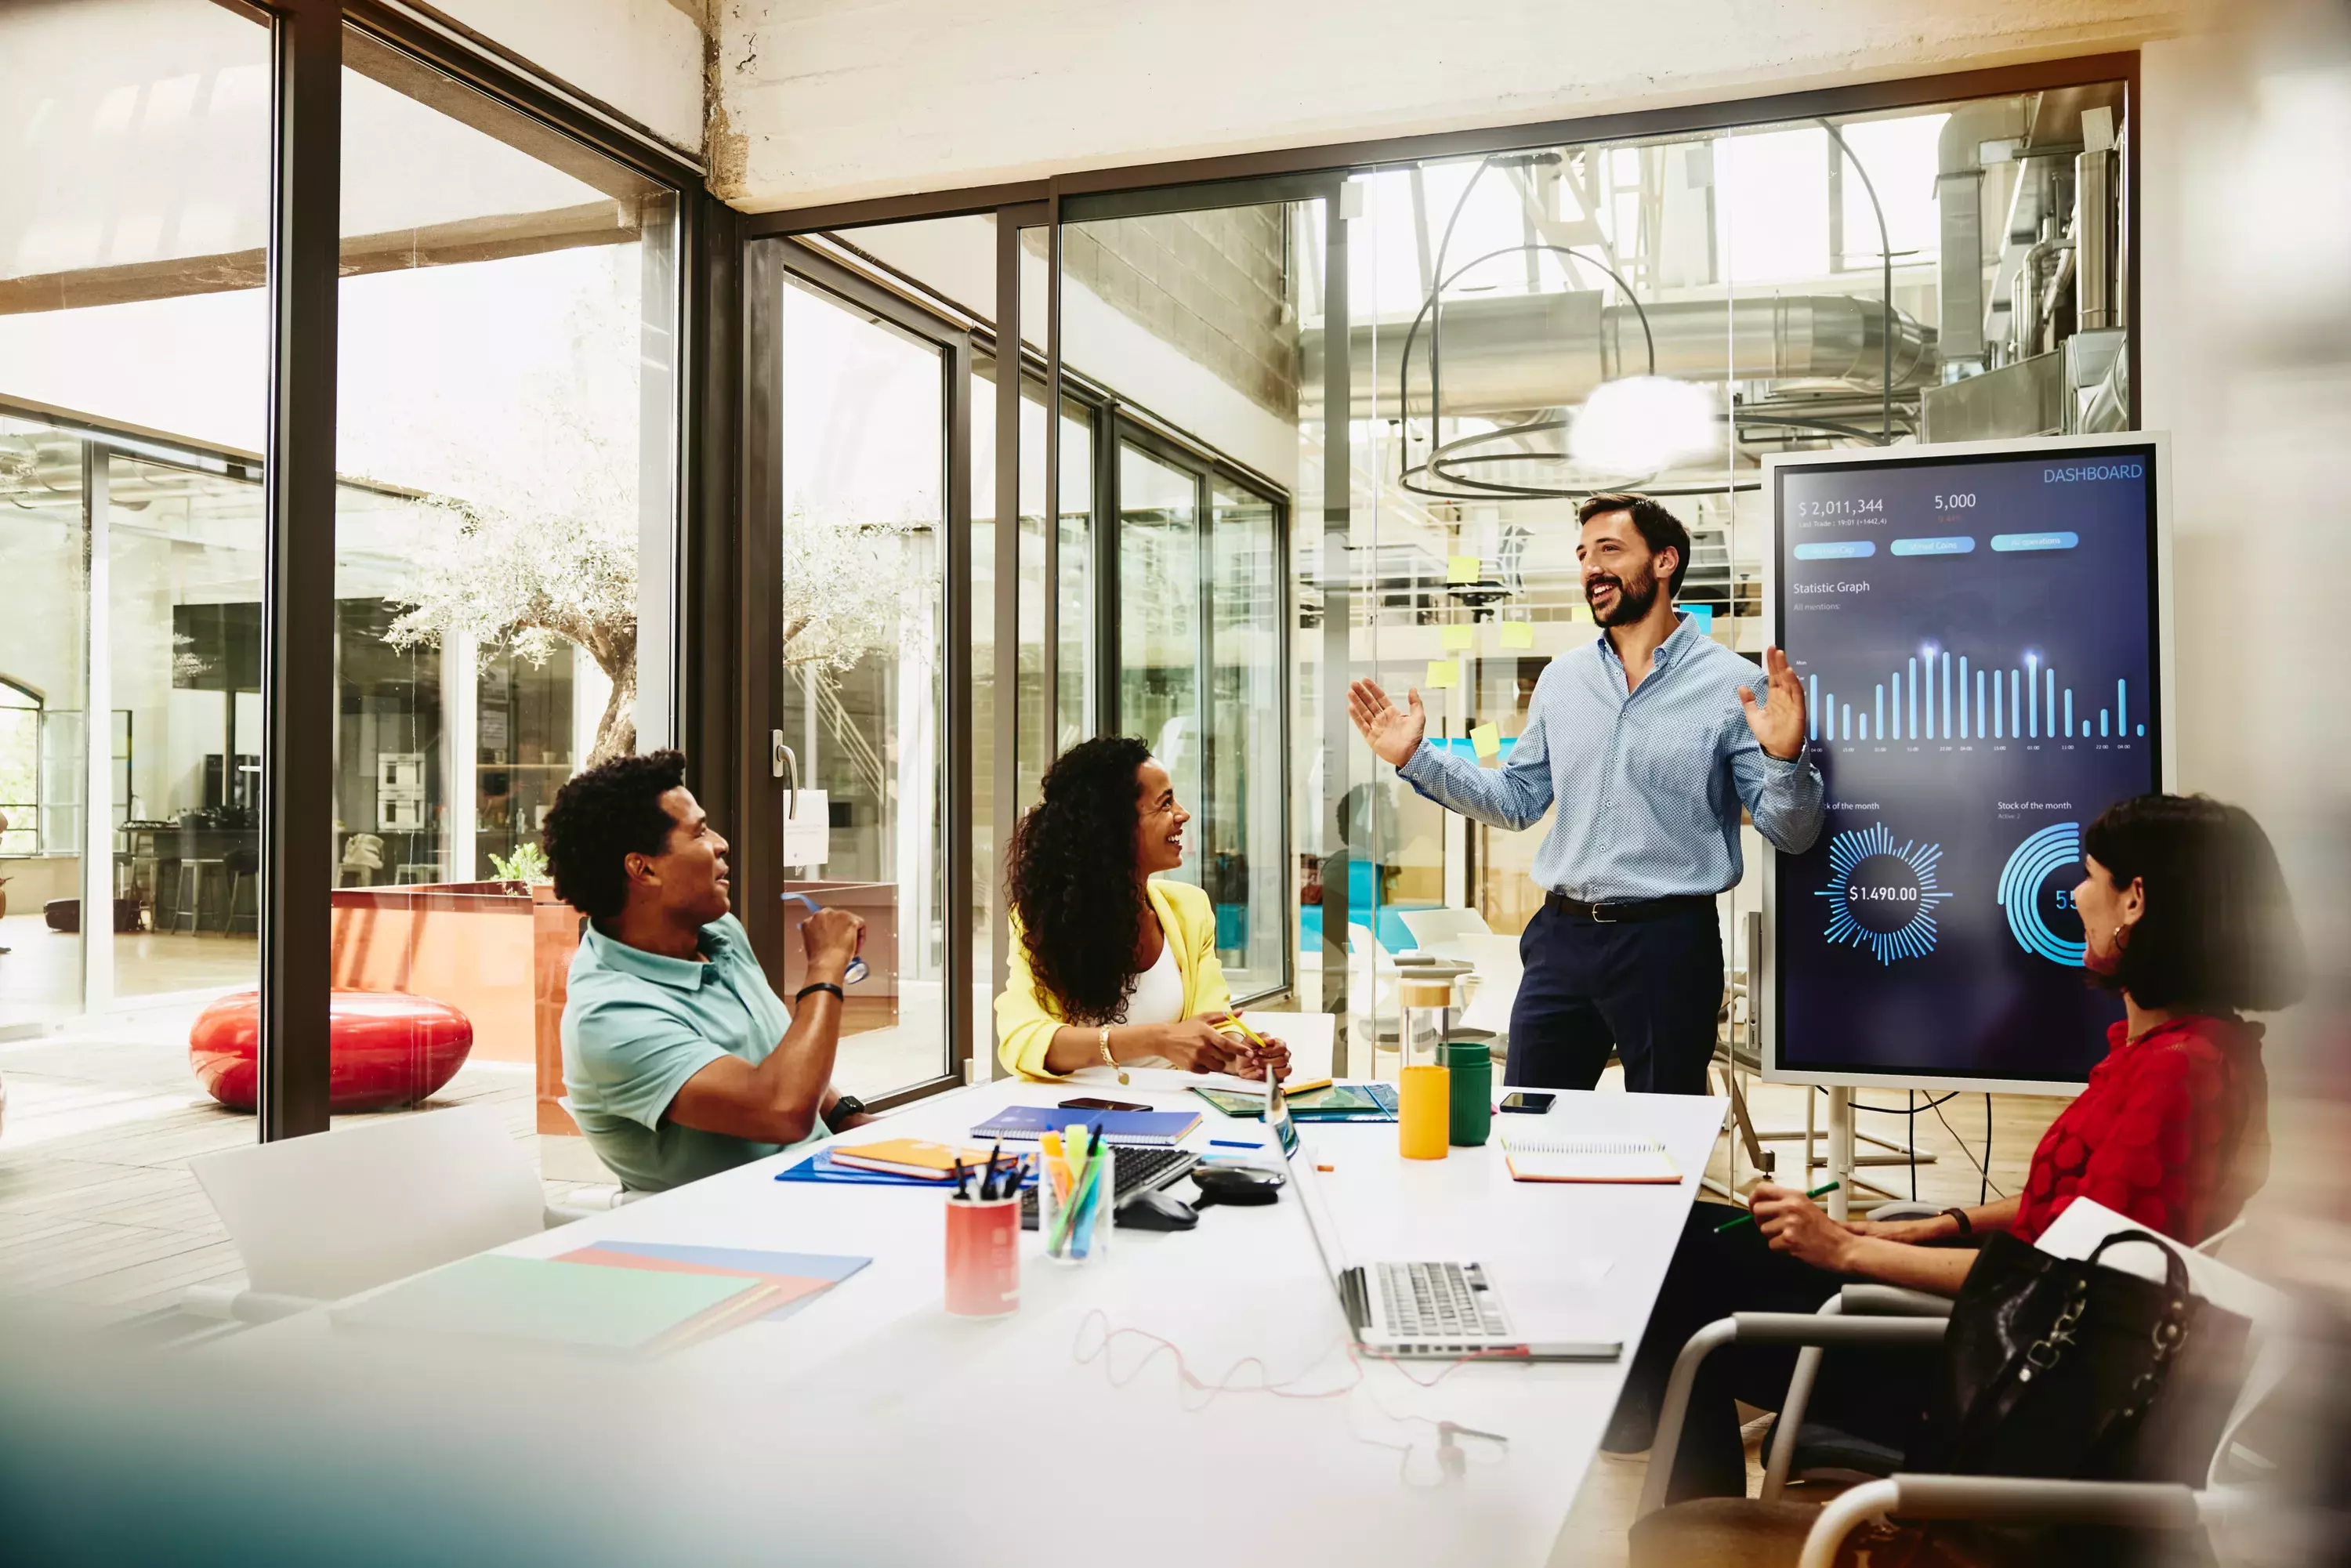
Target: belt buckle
[1600,915]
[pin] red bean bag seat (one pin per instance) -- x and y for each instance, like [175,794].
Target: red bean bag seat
[387,1049]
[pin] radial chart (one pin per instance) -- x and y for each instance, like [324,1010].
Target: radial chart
[1880,897]
[2051,850]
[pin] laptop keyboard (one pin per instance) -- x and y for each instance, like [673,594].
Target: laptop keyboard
[1436,1300]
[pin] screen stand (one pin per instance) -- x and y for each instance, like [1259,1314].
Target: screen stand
[1839,1150]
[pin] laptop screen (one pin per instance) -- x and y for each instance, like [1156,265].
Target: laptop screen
[1277,1118]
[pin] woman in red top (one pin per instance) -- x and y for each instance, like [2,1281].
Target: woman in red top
[2184,913]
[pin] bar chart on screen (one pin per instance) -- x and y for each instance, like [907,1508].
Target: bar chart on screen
[1937,695]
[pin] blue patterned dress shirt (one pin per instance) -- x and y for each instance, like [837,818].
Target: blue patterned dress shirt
[1649,785]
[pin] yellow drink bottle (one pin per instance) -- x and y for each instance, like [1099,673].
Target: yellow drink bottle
[1425,1091]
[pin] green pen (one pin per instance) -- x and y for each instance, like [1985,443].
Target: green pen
[1749,1217]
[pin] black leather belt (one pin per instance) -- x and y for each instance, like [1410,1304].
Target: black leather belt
[1630,908]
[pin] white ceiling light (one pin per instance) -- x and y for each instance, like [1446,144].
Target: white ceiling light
[1644,424]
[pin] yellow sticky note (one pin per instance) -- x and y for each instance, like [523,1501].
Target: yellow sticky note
[1487,740]
[1463,568]
[1583,613]
[1518,634]
[1442,674]
[1456,638]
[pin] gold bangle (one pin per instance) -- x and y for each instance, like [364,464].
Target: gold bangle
[1108,1060]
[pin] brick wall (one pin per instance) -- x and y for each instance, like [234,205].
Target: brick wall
[1212,285]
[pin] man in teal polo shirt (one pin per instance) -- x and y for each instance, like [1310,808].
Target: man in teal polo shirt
[680,1059]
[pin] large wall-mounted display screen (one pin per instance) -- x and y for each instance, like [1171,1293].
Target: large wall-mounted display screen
[1979,640]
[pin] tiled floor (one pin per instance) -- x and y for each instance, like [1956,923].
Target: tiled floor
[101,1218]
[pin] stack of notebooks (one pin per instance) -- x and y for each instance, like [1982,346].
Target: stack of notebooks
[1129,1129]
[1327,1102]
[625,1297]
[1536,1154]
[894,1162]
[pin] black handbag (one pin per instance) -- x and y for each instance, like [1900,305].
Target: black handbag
[2059,1369]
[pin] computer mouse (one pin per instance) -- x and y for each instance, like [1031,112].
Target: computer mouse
[1157,1211]
[1229,1184]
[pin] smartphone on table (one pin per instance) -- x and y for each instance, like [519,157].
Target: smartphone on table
[1531,1102]
[1091,1104]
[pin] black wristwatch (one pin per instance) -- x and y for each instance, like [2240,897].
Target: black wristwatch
[845,1107]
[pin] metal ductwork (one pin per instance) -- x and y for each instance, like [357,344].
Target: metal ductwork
[1959,199]
[1514,353]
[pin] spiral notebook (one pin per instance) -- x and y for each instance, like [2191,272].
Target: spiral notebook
[1546,1155]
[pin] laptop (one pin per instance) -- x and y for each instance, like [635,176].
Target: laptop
[1414,1310]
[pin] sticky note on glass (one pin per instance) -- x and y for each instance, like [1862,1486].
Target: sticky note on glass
[1441,674]
[1463,568]
[1703,615]
[1583,613]
[1456,638]
[1485,739]
[1518,634]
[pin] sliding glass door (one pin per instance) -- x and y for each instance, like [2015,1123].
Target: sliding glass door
[1200,652]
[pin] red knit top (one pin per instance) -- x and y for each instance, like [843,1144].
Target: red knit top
[2172,1131]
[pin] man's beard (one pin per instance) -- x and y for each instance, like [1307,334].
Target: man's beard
[1634,596]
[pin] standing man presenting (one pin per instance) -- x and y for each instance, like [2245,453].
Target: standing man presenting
[1650,740]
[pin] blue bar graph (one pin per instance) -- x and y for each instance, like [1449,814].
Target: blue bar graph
[2030,703]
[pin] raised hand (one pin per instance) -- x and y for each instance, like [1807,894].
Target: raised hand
[1779,720]
[1394,733]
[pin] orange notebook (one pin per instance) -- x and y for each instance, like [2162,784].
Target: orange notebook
[1586,1157]
[910,1156]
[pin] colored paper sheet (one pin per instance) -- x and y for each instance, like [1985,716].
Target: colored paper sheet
[1456,638]
[1463,568]
[1442,674]
[1486,740]
[1518,634]
[1703,615]
[1583,613]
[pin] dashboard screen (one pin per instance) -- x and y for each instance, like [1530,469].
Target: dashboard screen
[1976,639]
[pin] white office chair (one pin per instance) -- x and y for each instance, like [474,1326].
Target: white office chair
[1431,928]
[326,1216]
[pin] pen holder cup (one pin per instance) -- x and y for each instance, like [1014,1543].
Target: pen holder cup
[1074,1218]
[983,1256]
[1470,1065]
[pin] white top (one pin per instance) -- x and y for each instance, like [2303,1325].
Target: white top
[1158,997]
[794,1411]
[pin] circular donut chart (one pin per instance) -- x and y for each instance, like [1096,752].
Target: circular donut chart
[2051,850]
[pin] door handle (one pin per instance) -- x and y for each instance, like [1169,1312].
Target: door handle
[784,763]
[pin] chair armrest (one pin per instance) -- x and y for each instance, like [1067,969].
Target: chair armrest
[2142,1505]
[1762,1328]
[242,1306]
[1893,1301]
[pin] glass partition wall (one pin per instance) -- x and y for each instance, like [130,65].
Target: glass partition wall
[1510,331]
[503,522]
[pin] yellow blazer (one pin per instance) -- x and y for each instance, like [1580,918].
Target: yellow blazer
[1026,1019]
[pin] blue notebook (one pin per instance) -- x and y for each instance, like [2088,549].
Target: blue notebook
[819,1167]
[1136,1129]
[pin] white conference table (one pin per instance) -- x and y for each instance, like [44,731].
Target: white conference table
[890,1432]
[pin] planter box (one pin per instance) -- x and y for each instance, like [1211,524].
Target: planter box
[499,955]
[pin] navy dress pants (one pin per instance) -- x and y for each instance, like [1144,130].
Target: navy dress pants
[1651,989]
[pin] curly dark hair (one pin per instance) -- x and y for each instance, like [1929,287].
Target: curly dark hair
[1074,881]
[603,815]
[2219,934]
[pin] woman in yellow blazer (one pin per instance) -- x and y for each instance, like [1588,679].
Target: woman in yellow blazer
[1110,968]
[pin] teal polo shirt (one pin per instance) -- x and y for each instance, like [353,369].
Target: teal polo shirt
[637,1025]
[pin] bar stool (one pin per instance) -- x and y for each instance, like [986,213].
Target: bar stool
[189,906]
[243,867]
